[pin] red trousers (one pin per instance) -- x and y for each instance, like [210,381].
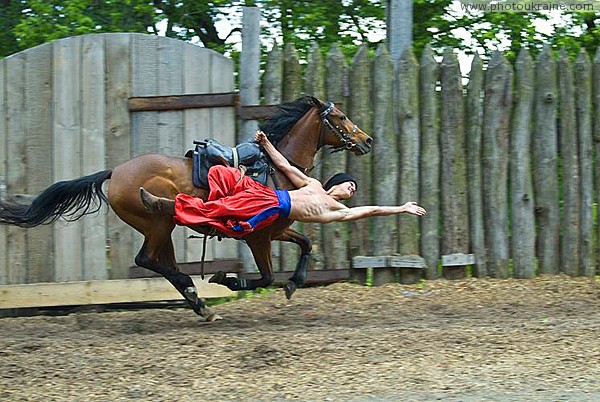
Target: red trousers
[235,207]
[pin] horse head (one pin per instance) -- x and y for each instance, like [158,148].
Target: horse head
[338,131]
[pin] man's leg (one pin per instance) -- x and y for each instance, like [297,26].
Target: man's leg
[157,205]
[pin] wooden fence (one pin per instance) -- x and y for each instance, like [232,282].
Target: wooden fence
[504,166]
[64,114]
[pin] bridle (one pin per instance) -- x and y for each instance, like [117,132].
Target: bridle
[345,138]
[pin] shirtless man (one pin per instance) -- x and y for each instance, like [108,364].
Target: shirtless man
[311,202]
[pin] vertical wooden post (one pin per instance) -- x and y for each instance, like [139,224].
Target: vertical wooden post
[455,210]
[583,116]
[409,149]
[570,222]
[38,118]
[385,161]
[335,235]
[249,68]
[360,167]
[545,148]
[521,186]
[596,92]
[314,84]
[497,109]
[249,95]
[273,77]
[16,163]
[292,88]
[473,130]
[118,145]
[273,91]
[430,162]
[292,74]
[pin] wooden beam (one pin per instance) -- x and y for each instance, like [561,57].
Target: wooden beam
[100,292]
[228,265]
[321,276]
[180,102]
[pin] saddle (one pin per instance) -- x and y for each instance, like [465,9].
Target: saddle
[210,152]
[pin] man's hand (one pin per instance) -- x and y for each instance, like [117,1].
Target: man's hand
[260,137]
[411,207]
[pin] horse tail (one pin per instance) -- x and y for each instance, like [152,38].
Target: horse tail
[70,199]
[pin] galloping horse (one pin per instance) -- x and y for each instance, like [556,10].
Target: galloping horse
[298,129]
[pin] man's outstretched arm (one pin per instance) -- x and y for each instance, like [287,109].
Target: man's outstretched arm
[356,213]
[297,178]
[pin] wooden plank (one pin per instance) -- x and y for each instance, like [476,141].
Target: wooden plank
[458,259]
[335,235]
[430,161]
[361,262]
[317,277]
[187,101]
[144,78]
[407,261]
[196,126]
[570,222]
[455,212]
[272,88]
[314,85]
[473,129]
[193,268]
[596,120]
[497,109]
[100,292]
[38,122]
[409,149]
[545,154]
[583,110]
[170,123]
[521,186]
[93,148]
[3,174]
[16,162]
[66,151]
[118,145]
[360,109]
[223,126]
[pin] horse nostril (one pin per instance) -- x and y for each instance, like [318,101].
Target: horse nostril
[369,142]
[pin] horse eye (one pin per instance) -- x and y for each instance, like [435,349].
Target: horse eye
[343,118]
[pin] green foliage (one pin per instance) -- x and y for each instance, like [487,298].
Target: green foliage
[349,23]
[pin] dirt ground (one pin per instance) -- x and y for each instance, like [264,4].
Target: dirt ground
[467,340]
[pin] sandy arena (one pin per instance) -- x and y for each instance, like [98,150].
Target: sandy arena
[467,340]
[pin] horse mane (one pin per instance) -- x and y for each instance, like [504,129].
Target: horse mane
[280,122]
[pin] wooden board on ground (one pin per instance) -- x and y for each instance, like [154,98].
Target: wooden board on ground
[101,292]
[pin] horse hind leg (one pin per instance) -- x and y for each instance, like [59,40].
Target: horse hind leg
[158,255]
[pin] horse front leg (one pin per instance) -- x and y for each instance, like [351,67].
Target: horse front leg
[298,279]
[261,250]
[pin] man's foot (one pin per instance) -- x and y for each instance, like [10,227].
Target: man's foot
[157,205]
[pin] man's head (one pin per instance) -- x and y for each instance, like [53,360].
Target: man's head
[344,183]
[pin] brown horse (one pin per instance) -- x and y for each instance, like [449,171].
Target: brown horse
[298,129]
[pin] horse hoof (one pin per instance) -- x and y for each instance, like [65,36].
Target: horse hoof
[289,288]
[219,277]
[213,317]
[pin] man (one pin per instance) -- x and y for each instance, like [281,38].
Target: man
[237,205]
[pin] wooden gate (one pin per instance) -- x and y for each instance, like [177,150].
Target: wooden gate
[64,114]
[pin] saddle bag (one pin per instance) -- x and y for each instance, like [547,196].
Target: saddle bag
[210,152]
